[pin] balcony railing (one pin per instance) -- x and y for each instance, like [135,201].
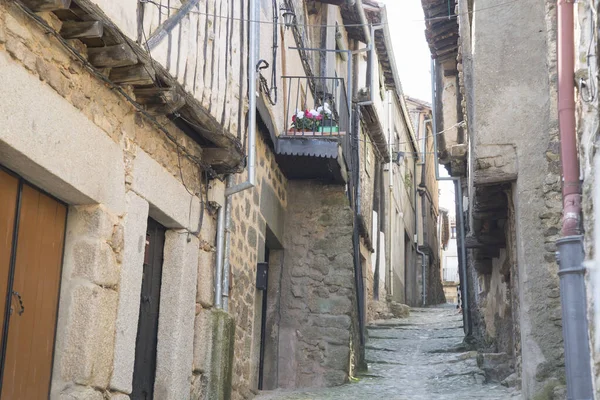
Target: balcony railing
[324,113]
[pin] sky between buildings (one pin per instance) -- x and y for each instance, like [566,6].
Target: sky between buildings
[413,59]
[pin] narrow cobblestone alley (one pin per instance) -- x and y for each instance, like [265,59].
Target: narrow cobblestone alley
[417,358]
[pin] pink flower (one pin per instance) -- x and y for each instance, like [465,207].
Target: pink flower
[294,118]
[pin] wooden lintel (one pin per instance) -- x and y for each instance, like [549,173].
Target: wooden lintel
[479,242]
[46,5]
[201,121]
[156,95]
[217,157]
[120,55]
[79,30]
[166,108]
[492,177]
[133,75]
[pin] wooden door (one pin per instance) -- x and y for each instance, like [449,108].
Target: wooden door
[9,192]
[147,333]
[33,290]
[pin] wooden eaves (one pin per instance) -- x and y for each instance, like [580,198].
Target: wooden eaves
[126,63]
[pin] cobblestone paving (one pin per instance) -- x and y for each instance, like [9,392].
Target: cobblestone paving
[417,358]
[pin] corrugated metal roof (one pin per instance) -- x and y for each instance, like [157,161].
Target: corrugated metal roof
[310,147]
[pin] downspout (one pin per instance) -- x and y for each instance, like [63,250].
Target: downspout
[391,214]
[363,20]
[422,162]
[421,253]
[459,205]
[224,217]
[570,254]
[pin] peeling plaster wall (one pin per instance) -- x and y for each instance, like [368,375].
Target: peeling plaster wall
[515,105]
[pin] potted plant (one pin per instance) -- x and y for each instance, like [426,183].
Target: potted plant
[306,121]
[328,123]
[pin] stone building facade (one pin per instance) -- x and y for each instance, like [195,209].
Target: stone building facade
[498,126]
[131,121]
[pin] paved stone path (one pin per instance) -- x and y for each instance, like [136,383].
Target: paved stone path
[412,359]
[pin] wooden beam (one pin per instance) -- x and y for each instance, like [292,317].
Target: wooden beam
[120,55]
[82,30]
[46,5]
[166,108]
[156,95]
[220,157]
[138,74]
[484,240]
[162,31]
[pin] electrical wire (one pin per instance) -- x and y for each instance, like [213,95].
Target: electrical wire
[451,16]
[90,68]
[179,148]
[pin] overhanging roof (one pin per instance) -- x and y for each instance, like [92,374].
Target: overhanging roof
[441,27]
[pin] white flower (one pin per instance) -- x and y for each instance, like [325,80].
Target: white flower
[326,105]
[313,113]
[320,109]
[300,114]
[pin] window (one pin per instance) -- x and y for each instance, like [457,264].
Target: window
[453,232]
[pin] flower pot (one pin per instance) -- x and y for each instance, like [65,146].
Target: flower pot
[329,129]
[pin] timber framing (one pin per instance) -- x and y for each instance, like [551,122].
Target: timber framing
[113,54]
[441,28]
[377,16]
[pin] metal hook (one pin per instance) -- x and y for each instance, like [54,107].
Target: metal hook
[22,310]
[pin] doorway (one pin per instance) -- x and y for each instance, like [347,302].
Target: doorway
[32,233]
[410,273]
[144,370]
[263,269]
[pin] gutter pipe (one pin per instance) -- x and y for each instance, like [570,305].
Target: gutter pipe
[391,196]
[420,252]
[363,20]
[422,193]
[570,253]
[459,205]
[224,215]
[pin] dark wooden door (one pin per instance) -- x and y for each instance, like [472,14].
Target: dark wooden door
[32,291]
[145,347]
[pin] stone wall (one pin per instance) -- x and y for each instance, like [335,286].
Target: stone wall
[68,133]
[253,211]
[317,287]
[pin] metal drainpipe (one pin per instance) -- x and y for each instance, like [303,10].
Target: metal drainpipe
[219,257]
[421,253]
[391,195]
[363,20]
[224,216]
[570,254]
[459,202]
[423,212]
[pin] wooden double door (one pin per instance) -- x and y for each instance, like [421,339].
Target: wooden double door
[32,231]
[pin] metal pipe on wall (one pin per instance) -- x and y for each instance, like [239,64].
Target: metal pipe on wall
[419,252]
[391,196]
[224,216]
[459,205]
[219,257]
[570,254]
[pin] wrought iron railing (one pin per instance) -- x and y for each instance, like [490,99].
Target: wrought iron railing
[323,111]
